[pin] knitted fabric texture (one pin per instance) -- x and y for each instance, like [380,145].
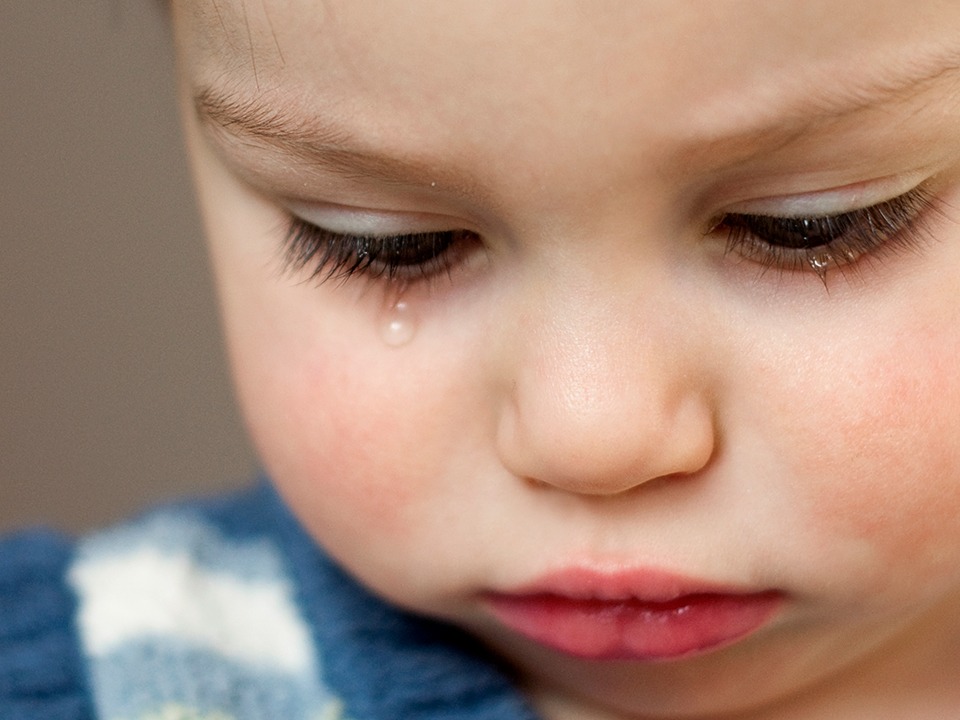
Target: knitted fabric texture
[180,622]
[41,673]
[227,610]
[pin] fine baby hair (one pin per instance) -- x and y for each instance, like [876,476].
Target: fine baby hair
[600,358]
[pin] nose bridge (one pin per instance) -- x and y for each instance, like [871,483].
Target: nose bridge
[605,395]
[590,355]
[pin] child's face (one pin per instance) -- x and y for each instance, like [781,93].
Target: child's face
[621,366]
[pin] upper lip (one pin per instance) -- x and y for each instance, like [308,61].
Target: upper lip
[650,585]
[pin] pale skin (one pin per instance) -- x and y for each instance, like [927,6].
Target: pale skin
[595,375]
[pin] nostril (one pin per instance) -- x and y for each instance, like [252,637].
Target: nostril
[535,483]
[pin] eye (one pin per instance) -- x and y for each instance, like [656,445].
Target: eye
[820,243]
[329,255]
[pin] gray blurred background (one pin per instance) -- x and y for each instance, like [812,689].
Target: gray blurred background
[113,388]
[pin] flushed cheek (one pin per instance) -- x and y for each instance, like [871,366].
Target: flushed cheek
[875,462]
[339,446]
[364,441]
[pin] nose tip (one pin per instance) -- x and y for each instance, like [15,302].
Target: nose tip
[610,386]
[599,449]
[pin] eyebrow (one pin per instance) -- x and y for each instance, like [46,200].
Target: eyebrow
[888,87]
[315,139]
[783,121]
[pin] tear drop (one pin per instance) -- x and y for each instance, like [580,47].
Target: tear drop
[820,264]
[398,325]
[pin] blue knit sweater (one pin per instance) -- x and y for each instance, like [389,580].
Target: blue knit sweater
[222,610]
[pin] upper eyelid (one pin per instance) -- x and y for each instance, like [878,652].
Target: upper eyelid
[355,220]
[861,219]
[834,201]
[346,220]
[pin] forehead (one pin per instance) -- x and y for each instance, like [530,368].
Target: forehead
[538,45]
[548,74]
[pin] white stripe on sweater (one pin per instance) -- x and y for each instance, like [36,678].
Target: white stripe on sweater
[150,593]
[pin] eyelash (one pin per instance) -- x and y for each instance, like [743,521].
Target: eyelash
[404,258]
[786,244]
[821,243]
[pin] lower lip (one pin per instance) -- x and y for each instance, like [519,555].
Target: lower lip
[633,629]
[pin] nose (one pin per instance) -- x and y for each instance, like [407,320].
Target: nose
[605,399]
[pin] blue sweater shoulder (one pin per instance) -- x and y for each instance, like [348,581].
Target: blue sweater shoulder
[41,672]
[223,608]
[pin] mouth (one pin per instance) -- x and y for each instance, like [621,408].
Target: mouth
[639,615]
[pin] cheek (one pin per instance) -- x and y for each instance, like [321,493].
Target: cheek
[367,443]
[351,432]
[873,450]
[371,446]
[338,444]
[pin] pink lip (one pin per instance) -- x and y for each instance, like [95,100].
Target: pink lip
[643,615]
